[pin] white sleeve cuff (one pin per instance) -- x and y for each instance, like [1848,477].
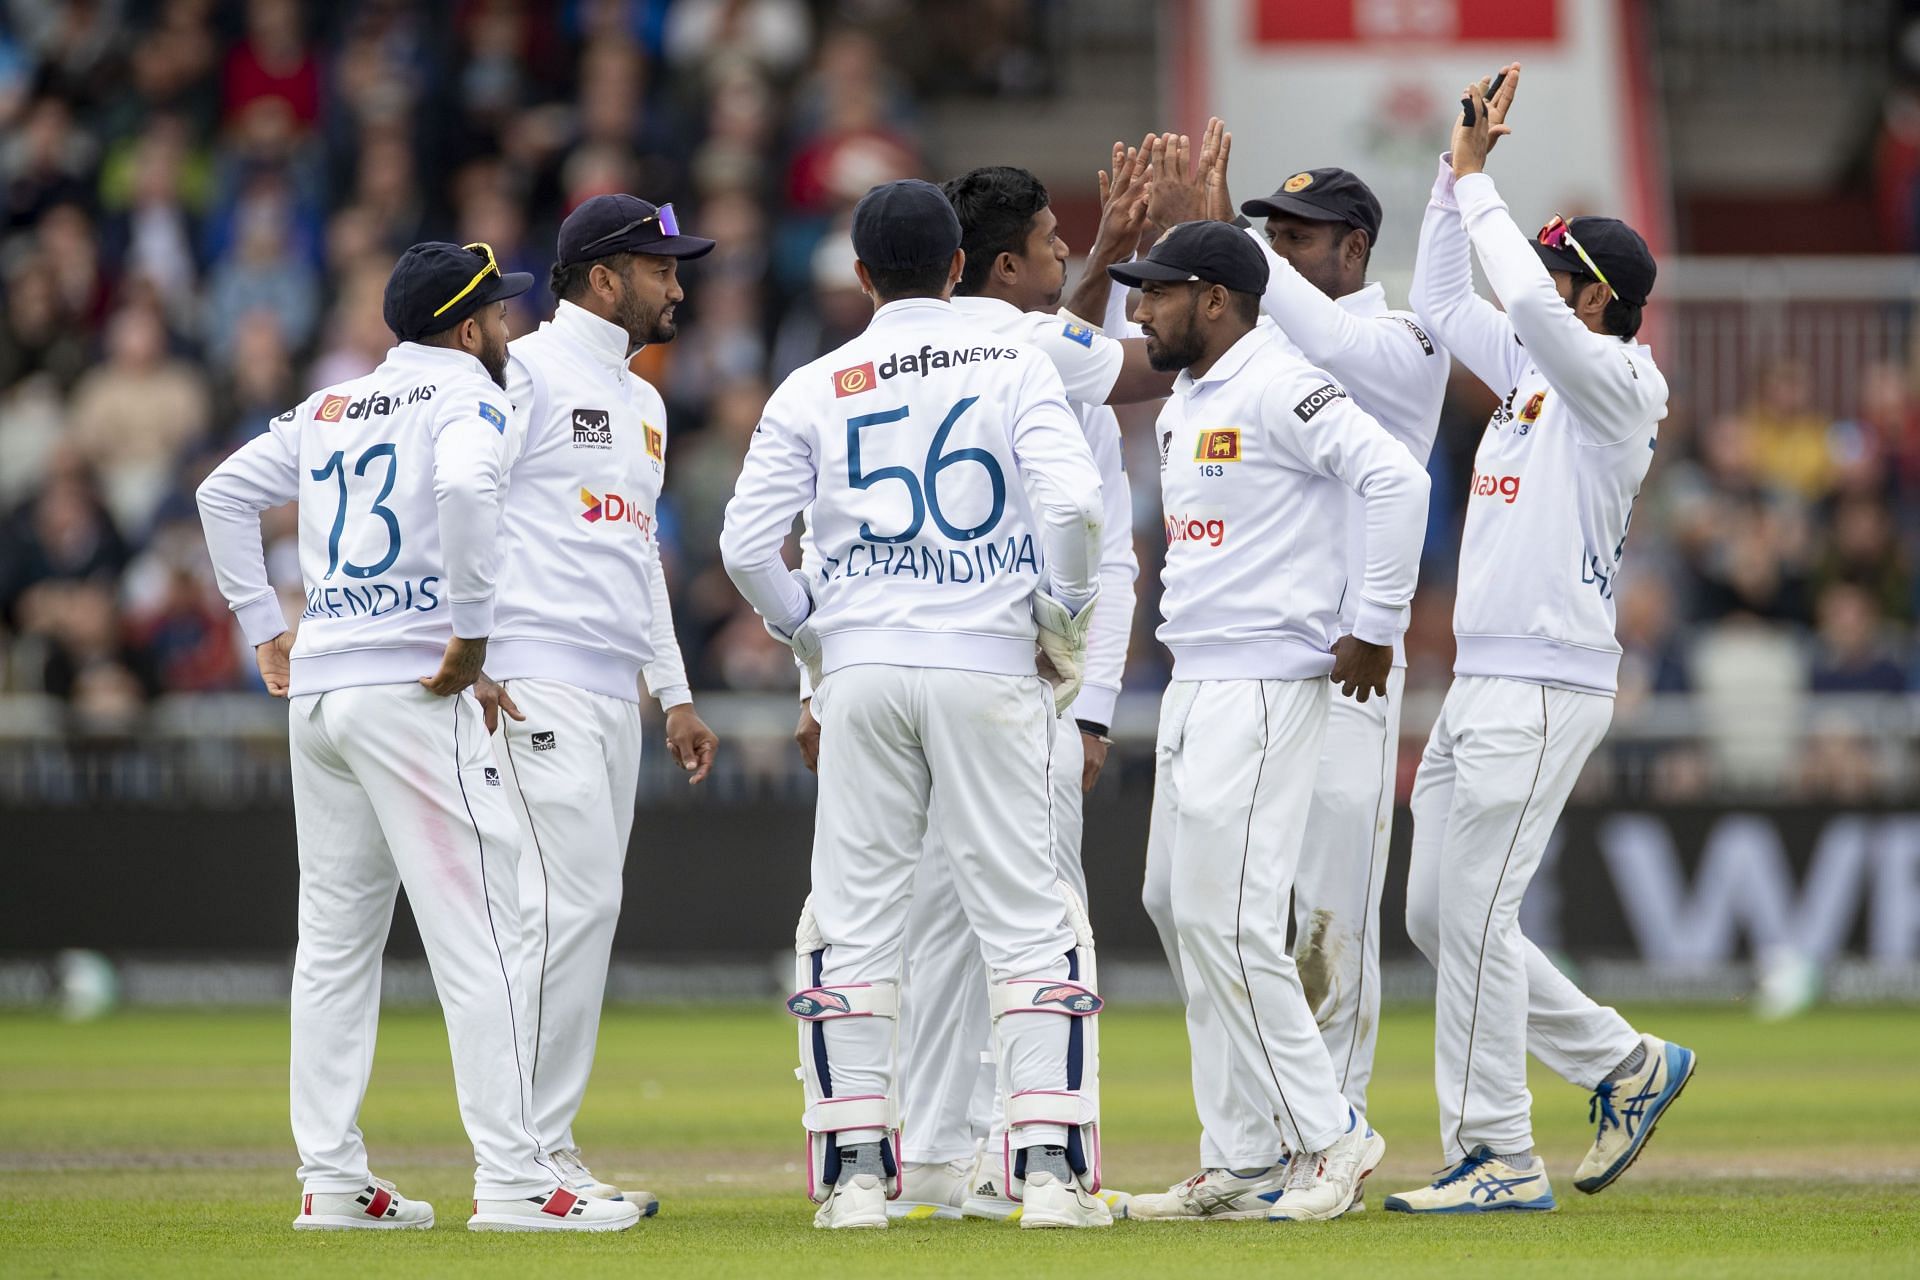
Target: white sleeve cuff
[674,695]
[473,619]
[1378,624]
[1095,703]
[261,620]
[1443,183]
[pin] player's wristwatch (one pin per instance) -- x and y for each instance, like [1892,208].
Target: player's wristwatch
[1095,730]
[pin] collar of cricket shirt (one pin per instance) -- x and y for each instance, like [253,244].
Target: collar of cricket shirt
[604,340]
[1369,299]
[1231,361]
[994,310]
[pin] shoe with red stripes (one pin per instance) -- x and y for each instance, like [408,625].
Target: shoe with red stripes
[377,1207]
[556,1210]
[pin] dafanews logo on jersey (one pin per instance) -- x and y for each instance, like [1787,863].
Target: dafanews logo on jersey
[851,382]
[378,404]
[613,509]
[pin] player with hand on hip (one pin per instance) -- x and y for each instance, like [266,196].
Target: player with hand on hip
[398,476]
[1320,229]
[954,510]
[583,616]
[1536,660]
[1259,453]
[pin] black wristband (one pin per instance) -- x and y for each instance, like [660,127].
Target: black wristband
[1093,728]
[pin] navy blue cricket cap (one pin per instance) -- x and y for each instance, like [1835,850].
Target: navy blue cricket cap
[898,226]
[1616,248]
[1205,252]
[611,224]
[1322,195]
[436,285]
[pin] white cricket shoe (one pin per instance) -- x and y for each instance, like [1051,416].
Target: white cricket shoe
[1481,1183]
[577,1178]
[1322,1185]
[1049,1202]
[378,1207]
[986,1198]
[1626,1111]
[986,1194]
[858,1202]
[1212,1195]
[556,1210]
[931,1191]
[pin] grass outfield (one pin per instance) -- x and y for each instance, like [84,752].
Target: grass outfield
[155,1144]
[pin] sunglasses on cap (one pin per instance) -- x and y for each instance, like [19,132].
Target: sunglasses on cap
[669,226]
[492,267]
[1557,233]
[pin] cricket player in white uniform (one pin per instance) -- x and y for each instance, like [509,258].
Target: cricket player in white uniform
[398,476]
[1320,229]
[583,616]
[1554,483]
[1014,275]
[954,508]
[1259,454]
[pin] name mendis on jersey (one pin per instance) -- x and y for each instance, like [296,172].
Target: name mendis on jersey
[974,562]
[372,601]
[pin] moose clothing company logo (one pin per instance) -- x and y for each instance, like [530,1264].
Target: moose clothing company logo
[592,429]
[1218,446]
[851,382]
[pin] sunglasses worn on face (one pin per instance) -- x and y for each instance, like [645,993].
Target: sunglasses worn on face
[669,226]
[1557,233]
[493,267]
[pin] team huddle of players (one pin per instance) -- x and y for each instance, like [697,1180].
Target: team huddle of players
[960,620]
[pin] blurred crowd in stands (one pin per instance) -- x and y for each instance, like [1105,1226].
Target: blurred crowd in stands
[202,201]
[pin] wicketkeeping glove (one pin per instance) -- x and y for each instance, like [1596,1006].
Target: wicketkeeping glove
[1063,646]
[803,640]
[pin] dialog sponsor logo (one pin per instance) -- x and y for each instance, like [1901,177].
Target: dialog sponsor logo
[1506,488]
[1200,527]
[611,508]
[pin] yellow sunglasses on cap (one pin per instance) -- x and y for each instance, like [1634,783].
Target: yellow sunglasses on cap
[493,265]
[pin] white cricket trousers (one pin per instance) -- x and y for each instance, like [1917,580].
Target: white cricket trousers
[948,1102]
[1234,776]
[394,786]
[895,743]
[572,768]
[1502,760]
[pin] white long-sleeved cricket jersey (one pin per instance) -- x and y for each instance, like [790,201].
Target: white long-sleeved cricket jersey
[1088,364]
[1256,460]
[582,595]
[1386,362]
[1560,462]
[398,477]
[945,479]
